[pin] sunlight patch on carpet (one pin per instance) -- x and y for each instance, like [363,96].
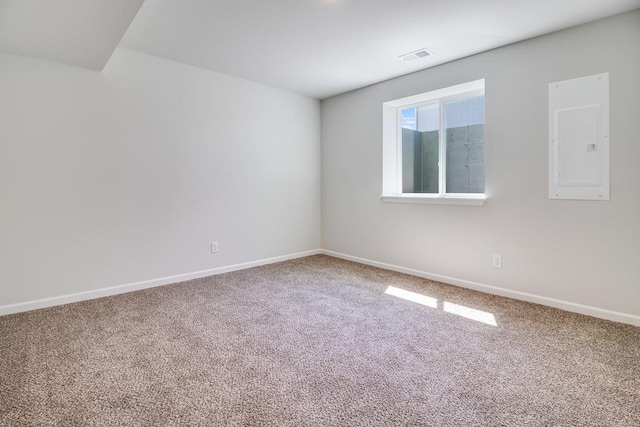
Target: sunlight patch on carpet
[449,307]
[470,313]
[412,296]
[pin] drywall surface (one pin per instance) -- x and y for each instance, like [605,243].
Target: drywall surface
[128,175]
[585,252]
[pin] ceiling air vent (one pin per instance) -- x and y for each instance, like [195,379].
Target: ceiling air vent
[418,54]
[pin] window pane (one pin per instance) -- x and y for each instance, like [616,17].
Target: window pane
[409,118]
[464,125]
[420,152]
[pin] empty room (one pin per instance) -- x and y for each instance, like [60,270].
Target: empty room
[319,213]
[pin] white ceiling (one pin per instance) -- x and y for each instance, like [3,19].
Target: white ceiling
[325,47]
[77,32]
[314,47]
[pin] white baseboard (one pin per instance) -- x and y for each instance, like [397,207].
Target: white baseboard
[523,296]
[130,287]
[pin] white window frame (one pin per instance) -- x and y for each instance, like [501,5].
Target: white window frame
[392,147]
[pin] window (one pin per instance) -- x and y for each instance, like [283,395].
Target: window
[433,146]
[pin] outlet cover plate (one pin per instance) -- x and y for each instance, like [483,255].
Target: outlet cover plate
[497,261]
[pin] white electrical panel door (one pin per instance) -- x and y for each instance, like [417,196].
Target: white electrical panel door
[579,138]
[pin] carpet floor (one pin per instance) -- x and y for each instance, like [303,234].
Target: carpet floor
[316,341]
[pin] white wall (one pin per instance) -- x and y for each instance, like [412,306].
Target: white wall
[128,175]
[577,251]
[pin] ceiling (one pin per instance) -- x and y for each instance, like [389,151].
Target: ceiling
[317,48]
[77,32]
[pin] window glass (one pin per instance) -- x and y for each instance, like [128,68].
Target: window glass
[464,130]
[420,149]
[433,146]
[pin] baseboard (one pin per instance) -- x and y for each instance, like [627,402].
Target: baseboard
[130,287]
[523,296]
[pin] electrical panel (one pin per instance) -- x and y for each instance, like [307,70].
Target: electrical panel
[579,138]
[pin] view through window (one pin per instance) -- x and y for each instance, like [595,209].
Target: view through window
[454,127]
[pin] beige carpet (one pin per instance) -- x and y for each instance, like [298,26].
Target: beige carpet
[316,341]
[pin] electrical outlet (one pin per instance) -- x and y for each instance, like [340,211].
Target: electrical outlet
[214,247]
[497,261]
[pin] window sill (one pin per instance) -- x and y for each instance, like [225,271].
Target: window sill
[435,200]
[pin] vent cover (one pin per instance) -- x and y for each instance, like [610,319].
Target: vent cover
[418,54]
